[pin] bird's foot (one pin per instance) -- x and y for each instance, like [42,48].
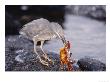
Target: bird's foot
[44,62]
[50,60]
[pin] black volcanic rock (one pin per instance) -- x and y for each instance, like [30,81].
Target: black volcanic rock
[12,25]
[19,56]
[90,64]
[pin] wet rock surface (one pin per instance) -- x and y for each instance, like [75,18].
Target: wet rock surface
[19,56]
[90,64]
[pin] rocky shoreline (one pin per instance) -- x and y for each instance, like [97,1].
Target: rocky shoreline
[19,56]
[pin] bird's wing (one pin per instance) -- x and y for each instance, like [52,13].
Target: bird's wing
[35,27]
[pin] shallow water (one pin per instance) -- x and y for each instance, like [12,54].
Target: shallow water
[87,37]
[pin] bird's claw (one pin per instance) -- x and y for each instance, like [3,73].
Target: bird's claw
[52,62]
[44,62]
[48,59]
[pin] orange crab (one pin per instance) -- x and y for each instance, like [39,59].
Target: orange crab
[65,57]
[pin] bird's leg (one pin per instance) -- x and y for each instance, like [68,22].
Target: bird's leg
[45,55]
[42,61]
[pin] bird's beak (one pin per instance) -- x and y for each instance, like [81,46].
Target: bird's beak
[64,41]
